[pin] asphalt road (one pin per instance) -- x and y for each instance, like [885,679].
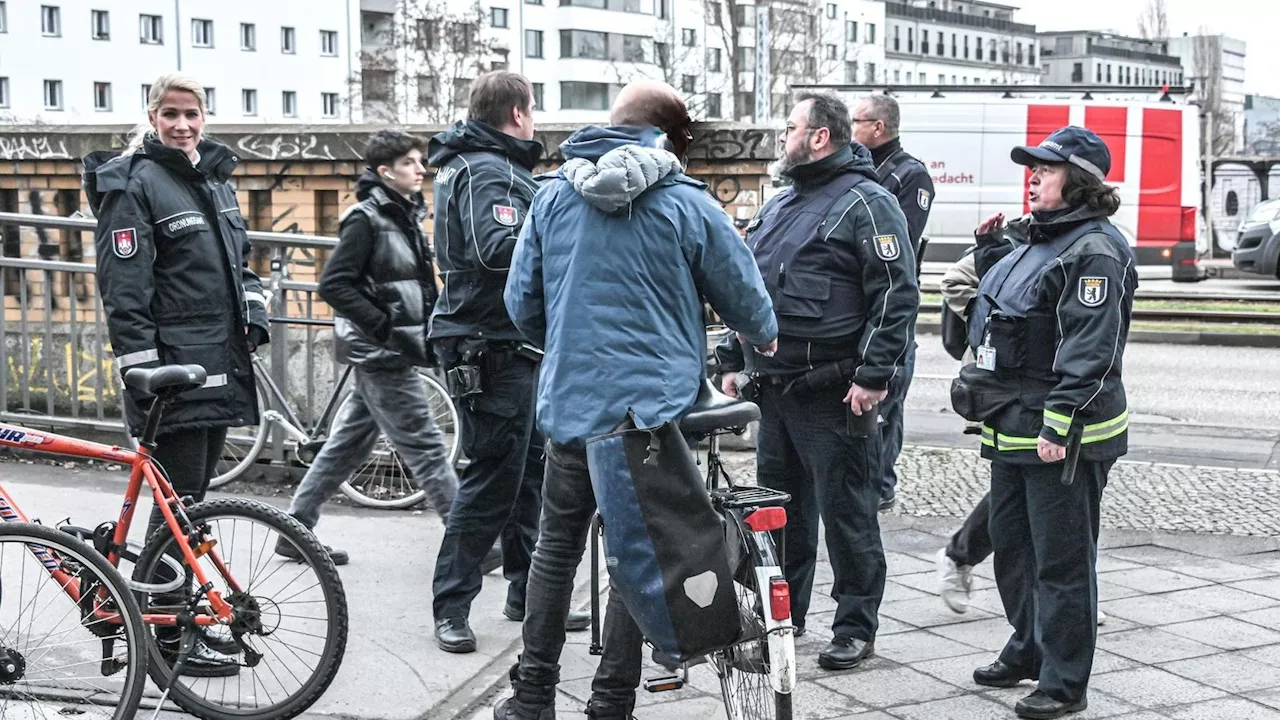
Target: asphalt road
[1189,404]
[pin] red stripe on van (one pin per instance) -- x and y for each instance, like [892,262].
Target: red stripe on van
[1110,124]
[1160,198]
[1042,120]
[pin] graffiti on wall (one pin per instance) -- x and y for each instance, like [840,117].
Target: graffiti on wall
[33,147]
[64,369]
[1239,184]
[284,147]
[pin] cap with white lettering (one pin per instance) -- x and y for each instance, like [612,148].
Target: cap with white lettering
[1071,144]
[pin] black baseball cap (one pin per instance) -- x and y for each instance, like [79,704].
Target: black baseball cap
[1070,144]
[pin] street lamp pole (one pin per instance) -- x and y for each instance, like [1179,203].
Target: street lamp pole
[764,74]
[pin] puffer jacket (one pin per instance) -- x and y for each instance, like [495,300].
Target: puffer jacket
[174,277]
[380,281]
[609,275]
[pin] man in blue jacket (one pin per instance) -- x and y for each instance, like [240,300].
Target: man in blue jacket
[609,276]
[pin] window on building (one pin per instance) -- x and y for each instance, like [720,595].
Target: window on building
[924,42]
[50,20]
[908,78]
[713,59]
[538,93]
[498,17]
[713,105]
[966,47]
[991,52]
[288,41]
[897,38]
[461,92]
[1077,73]
[584,96]
[688,37]
[911,42]
[4,92]
[871,72]
[249,102]
[1098,67]
[532,2]
[329,43]
[146,96]
[1108,74]
[871,33]
[810,66]
[955,51]
[897,76]
[1018,54]
[329,105]
[100,24]
[201,33]
[426,92]
[832,10]
[102,96]
[151,29]
[4,17]
[832,52]
[662,55]
[688,84]
[248,37]
[850,31]
[942,79]
[851,71]
[533,43]
[52,94]
[289,103]
[1031,55]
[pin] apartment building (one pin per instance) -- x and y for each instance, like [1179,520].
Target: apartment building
[958,42]
[1090,57]
[93,61]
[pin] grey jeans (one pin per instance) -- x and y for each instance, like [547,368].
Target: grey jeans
[395,403]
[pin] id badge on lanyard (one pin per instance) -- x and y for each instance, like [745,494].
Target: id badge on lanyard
[986,355]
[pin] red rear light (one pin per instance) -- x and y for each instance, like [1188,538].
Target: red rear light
[779,598]
[768,518]
[1187,230]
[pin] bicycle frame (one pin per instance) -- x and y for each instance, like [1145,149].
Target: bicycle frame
[143,469]
[285,417]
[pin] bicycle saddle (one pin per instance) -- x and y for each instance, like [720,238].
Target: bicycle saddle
[713,410]
[167,380]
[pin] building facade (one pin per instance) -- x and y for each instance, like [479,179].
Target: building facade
[81,62]
[1090,57]
[958,42]
[1214,66]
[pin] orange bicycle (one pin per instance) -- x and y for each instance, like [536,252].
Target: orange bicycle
[209,580]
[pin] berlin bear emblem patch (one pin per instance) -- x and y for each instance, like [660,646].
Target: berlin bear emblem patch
[922,199]
[124,243]
[1093,291]
[505,215]
[887,247]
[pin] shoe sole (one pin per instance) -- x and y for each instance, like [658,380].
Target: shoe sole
[462,648]
[1065,710]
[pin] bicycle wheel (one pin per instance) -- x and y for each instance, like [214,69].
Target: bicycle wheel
[384,481]
[751,671]
[54,654]
[243,446]
[290,625]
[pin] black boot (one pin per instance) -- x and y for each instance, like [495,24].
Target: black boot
[203,660]
[845,653]
[1039,706]
[597,710]
[999,675]
[454,635]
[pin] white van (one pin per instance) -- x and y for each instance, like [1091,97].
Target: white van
[963,134]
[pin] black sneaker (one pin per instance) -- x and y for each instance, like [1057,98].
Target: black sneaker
[454,635]
[203,661]
[284,548]
[1038,706]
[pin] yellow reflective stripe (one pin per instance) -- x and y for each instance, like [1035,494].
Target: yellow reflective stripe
[1106,430]
[1057,422]
[1007,443]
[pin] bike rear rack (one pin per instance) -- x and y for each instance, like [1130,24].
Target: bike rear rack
[749,496]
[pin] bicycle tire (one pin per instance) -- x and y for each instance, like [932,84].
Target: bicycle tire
[728,662]
[255,448]
[391,459]
[131,618]
[329,583]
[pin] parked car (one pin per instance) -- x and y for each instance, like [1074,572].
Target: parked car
[1258,244]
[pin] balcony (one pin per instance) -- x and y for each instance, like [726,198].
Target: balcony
[947,17]
[1154,58]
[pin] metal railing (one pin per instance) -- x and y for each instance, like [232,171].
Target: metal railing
[58,365]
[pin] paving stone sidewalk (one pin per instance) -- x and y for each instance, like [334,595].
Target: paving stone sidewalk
[1193,633]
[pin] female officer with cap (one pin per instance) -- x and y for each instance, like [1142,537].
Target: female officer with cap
[1050,322]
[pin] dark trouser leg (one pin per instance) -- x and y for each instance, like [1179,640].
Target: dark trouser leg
[1014,563]
[778,466]
[496,430]
[614,687]
[355,433]
[1064,527]
[893,410]
[568,504]
[845,472]
[520,534]
[971,544]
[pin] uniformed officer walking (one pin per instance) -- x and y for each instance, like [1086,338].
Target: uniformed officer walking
[1050,323]
[833,251]
[483,189]
[875,125]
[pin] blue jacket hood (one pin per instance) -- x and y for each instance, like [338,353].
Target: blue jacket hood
[593,141]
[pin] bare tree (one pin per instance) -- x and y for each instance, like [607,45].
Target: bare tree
[1153,21]
[418,64]
[1207,76]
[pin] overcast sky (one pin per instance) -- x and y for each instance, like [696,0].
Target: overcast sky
[1254,21]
